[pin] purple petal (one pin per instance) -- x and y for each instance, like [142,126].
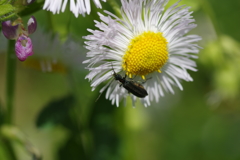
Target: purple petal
[23,47]
[9,31]
[32,25]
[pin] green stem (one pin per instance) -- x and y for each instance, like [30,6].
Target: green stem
[9,149]
[209,10]
[10,80]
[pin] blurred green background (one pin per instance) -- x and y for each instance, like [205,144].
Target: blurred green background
[55,109]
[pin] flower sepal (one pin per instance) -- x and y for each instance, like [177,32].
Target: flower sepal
[32,25]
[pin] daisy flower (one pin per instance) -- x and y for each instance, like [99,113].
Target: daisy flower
[80,7]
[148,44]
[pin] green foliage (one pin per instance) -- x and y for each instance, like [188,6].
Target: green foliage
[3,2]
[227,17]
[36,6]
[7,11]
[104,133]
[56,112]
[12,135]
[222,58]
[72,149]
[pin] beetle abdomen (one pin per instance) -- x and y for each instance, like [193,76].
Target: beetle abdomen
[135,88]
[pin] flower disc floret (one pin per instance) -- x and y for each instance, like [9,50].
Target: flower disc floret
[146,53]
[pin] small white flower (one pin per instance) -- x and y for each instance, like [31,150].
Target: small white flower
[148,43]
[54,55]
[76,6]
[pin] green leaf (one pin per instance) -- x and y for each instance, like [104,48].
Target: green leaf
[10,134]
[7,11]
[56,112]
[3,1]
[73,149]
[104,131]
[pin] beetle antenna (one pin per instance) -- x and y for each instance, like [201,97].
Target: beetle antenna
[98,97]
[146,80]
[126,71]
[112,68]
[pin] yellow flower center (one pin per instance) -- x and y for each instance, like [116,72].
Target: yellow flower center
[146,53]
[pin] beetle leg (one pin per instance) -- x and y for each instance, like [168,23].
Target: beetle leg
[134,77]
[146,80]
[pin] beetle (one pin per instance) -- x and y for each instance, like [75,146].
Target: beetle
[131,86]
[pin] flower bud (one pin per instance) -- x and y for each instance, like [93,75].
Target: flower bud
[32,25]
[10,31]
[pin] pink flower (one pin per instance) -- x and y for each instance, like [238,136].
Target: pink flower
[16,30]
[23,47]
